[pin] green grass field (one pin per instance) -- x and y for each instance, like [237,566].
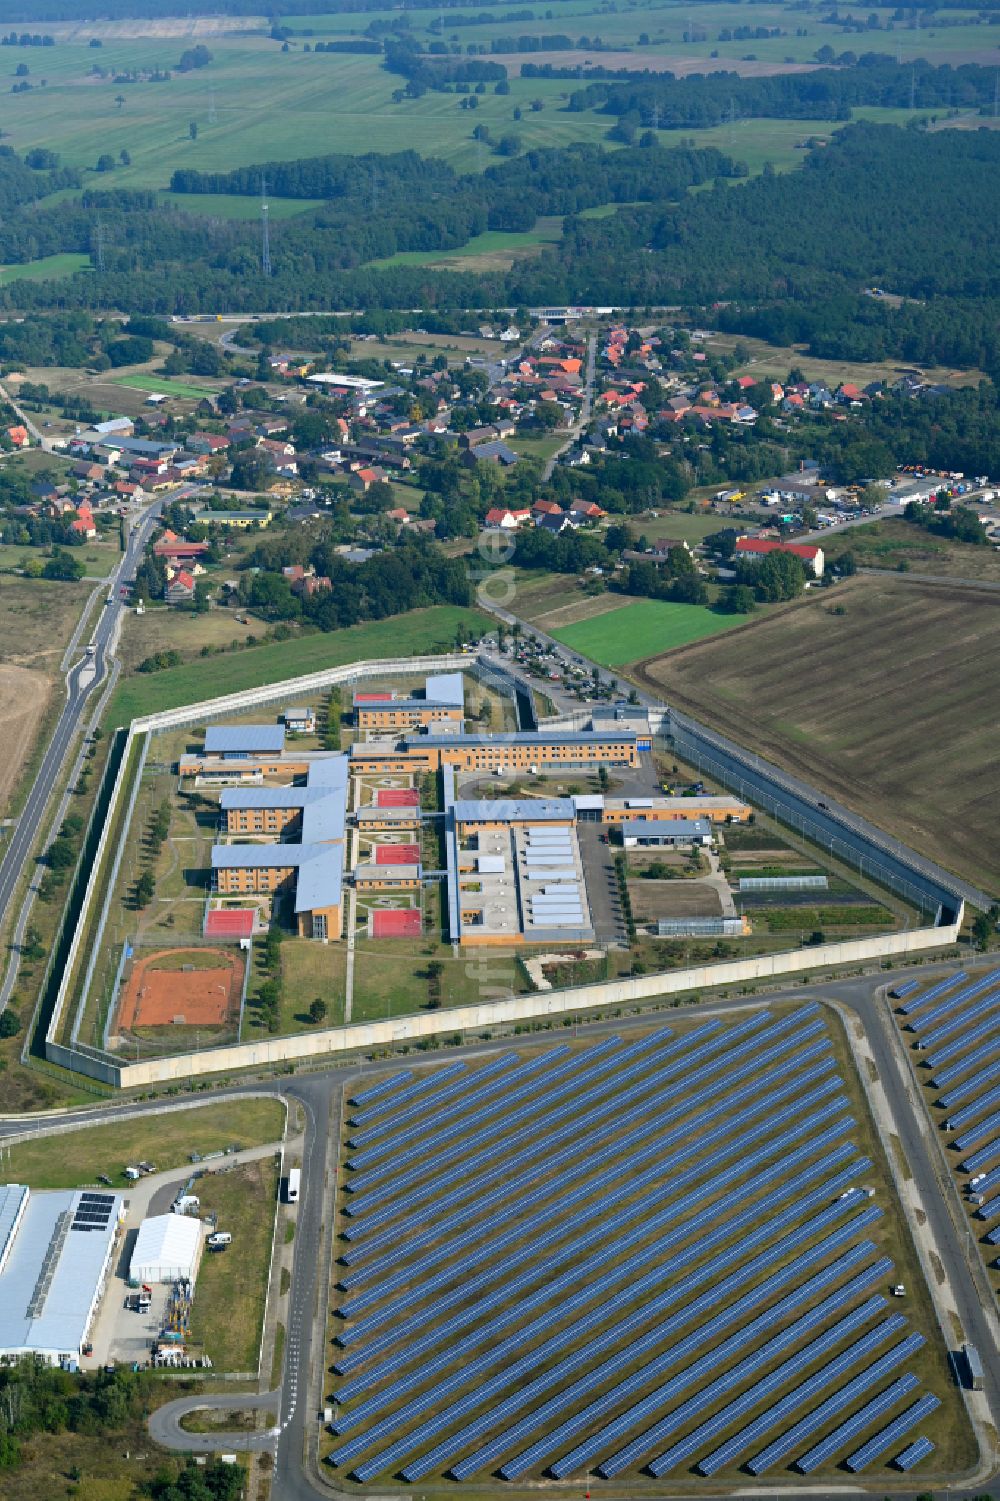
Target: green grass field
[49,268]
[77,1157]
[164,384]
[496,243]
[639,630]
[429,630]
[232,1286]
[235,206]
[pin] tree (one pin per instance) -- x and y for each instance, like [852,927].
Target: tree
[317,1011]
[125,157]
[193,130]
[145,889]
[10,1025]
[737,600]
[984,926]
[105,162]
[120,101]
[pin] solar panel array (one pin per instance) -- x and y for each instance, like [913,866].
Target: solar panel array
[546,1255]
[957,1027]
[913,1454]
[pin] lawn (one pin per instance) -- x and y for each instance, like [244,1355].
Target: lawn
[417,632]
[639,630]
[497,248]
[895,543]
[231,1291]
[238,206]
[165,384]
[309,972]
[48,268]
[78,1157]
[888,704]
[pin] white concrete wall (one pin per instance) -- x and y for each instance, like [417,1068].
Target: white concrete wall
[538,1005]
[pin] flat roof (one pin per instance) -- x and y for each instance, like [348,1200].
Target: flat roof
[55,1269]
[300,711]
[374,872]
[223,738]
[446,688]
[350,382]
[667,828]
[513,809]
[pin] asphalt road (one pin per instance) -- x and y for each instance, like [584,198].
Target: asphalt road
[81,681]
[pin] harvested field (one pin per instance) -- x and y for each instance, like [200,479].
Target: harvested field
[190,987]
[890,706]
[653,899]
[23,697]
[651,62]
[585,608]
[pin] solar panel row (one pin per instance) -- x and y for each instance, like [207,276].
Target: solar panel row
[877,1446]
[705,1333]
[573,1249]
[842,1435]
[931,995]
[364,1227]
[967,1090]
[977,1106]
[981,1158]
[967,993]
[984,1007]
[383,1087]
[783,1446]
[610,1179]
[549,1294]
[425,1086]
[978,1131]
[824,1377]
[812,1318]
[964,1065]
[985,1030]
[913,1454]
[416,1468]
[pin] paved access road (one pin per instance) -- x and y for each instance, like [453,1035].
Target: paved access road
[81,681]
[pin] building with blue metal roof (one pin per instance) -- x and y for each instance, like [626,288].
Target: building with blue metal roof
[238,741]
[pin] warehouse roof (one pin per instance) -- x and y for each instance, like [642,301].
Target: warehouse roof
[225,739]
[54,1270]
[169,1241]
[667,828]
[445,688]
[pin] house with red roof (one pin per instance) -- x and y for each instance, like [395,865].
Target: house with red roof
[84,524]
[753,549]
[180,588]
[503,518]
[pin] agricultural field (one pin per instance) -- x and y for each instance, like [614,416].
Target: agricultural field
[495,250]
[641,629]
[433,629]
[168,1140]
[882,692]
[950,1032]
[166,384]
[166,629]
[48,268]
[673,1296]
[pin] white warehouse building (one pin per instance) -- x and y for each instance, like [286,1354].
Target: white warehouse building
[167,1249]
[55,1253]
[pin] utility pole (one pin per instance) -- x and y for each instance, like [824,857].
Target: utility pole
[99,245]
[212,117]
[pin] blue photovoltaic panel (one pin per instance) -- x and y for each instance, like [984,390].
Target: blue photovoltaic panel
[478,1086]
[540,1414]
[420,1086]
[967,993]
[654,1401]
[981,1158]
[907,988]
[467,1286]
[877,1446]
[548,1193]
[364,1225]
[913,1454]
[968,1089]
[983,1007]
[842,1435]
[409,1233]
[988,1182]
[418,1438]
[934,992]
[825,1376]
[988,1212]
[394,1081]
[469,1086]
[455,1270]
[600,1288]
[783,1446]
[969,1112]
[685,1447]
[984,1030]
[965,1065]
[977,1132]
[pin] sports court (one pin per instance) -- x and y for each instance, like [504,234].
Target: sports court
[397,797]
[394,922]
[196,987]
[397,854]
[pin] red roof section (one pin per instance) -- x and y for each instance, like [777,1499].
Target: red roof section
[800,550]
[373,698]
[236,922]
[397,797]
[397,854]
[396,922]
